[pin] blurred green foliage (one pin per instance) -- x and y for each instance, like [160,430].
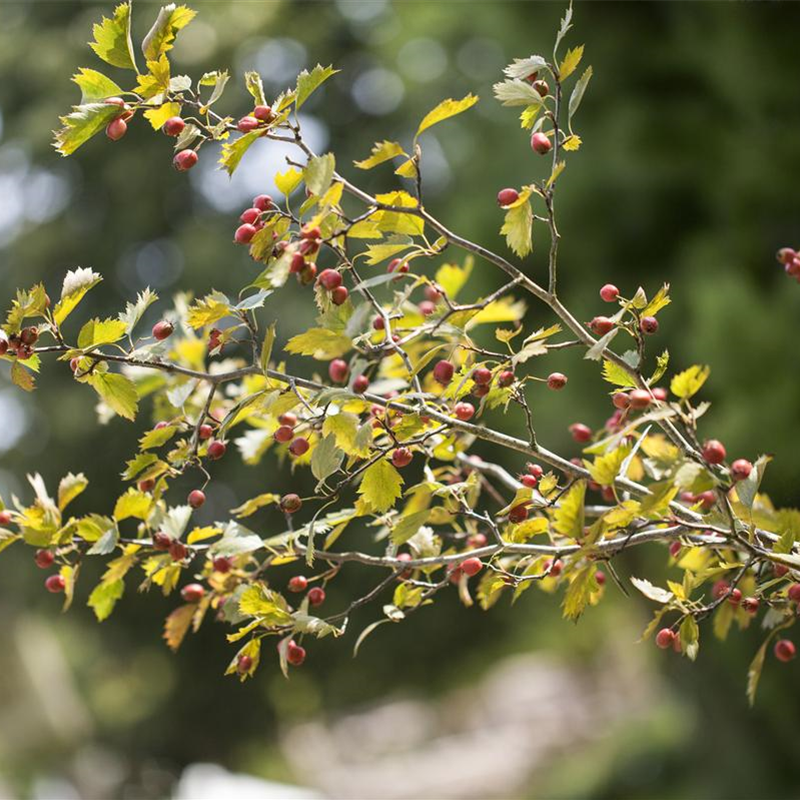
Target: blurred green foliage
[686,175]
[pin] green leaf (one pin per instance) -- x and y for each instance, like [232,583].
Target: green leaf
[606,467]
[326,458]
[83,123]
[233,152]
[517,92]
[659,301]
[405,527]
[399,221]
[266,347]
[577,93]
[318,173]
[94,85]
[321,343]
[308,82]
[98,332]
[583,584]
[690,637]
[747,489]
[568,517]
[31,303]
[133,311]
[613,373]
[518,227]
[662,362]
[157,437]
[252,80]
[258,601]
[161,36]
[218,79]
[382,151]
[344,426]
[76,283]
[118,392]
[112,38]
[104,597]
[687,383]
[380,486]
[570,62]
[445,110]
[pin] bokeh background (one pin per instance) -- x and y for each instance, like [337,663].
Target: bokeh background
[688,174]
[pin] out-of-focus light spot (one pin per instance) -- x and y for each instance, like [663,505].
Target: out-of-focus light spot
[10,484]
[157,264]
[196,44]
[422,59]
[360,11]
[481,59]
[277,60]
[254,175]
[45,195]
[378,91]
[15,419]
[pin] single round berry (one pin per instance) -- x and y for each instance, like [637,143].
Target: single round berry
[600,326]
[291,503]
[247,124]
[482,376]
[714,451]
[205,431]
[660,394]
[295,654]
[600,577]
[116,129]
[706,499]
[741,469]
[378,323]
[299,446]
[529,481]
[184,160]
[316,596]
[505,379]
[329,279]
[432,293]
[639,399]
[621,400]
[665,638]
[648,325]
[471,566]
[338,370]
[750,605]
[196,498]
[339,295]
[402,457]
[222,564]
[263,202]
[541,87]
[535,469]
[162,330]
[288,418]
[29,336]
[173,126]
[5,517]
[784,650]
[540,143]
[44,559]
[735,597]
[785,255]
[426,308]
[244,664]
[250,216]
[245,233]
[518,514]
[720,589]
[55,584]
[464,411]
[556,381]
[780,570]
[580,432]
[360,384]
[297,583]
[397,265]
[553,568]
[263,113]
[193,593]
[217,449]
[178,550]
[505,197]
[161,540]
[443,372]
[283,434]
[609,293]
[793,592]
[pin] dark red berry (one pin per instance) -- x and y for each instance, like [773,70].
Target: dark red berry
[505,197]
[193,593]
[299,446]
[55,584]
[44,559]
[609,293]
[184,160]
[714,451]
[162,330]
[316,596]
[402,457]
[216,450]
[360,384]
[297,583]
[665,638]
[556,381]
[648,325]
[196,498]
[580,432]
[173,126]
[443,372]
[291,503]
[338,370]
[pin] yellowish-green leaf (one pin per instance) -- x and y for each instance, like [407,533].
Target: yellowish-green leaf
[98,332]
[288,181]
[94,85]
[117,392]
[258,601]
[613,373]
[453,278]
[380,486]
[133,504]
[606,467]
[112,38]
[578,92]
[570,62]
[22,377]
[518,228]
[399,221]
[572,143]
[69,487]
[568,517]
[687,383]
[155,82]
[177,625]
[104,597]
[582,585]
[170,20]
[77,283]
[318,173]
[83,123]
[445,110]
[212,308]
[321,343]
[405,527]
[233,152]
[308,82]
[382,151]
[158,116]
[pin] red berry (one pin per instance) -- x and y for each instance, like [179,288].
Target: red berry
[295,654]
[542,88]
[793,592]
[471,566]
[665,638]
[263,202]
[785,255]
[177,550]
[55,584]
[553,568]
[244,664]
[660,393]
[426,308]
[291,503]
[378,323]
[162,330]
[288,418]
[329,279]
[397,265]
[360,384]
[609,293]
[216,450]
[311,232]
[601,325]
[432,293]
[283,434]
[244,233]
[184,160]
[406,573]
[5,517]
[299,446]
[44,559]
[193,593]
[600,577]
[750,605]
[116,129]
[780,570]
[205,431]
[297,583]
[784,650]
[535,469]
[674,549]
[735,597]
[402,457]
[648,325]
[505,197]
[741,469]
[263,113]
[505,378]
[196,498]
[639,399]
[720,589]
[247,124]
[161,540]
[464,411]
[707,499]
[222,564]
[540,143]
[580,432]
[443,372]
[173,126]
[339,295]
[620,400]
[556,381]
[528,480]
[518,514]
[714,451]
[482,376]
[338,370]
[316,596]
[250,216]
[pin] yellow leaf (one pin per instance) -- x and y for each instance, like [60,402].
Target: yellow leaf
[321,343]
[288,181]
[177,625]
[158,116]
[446,109]
[570,62]
[518,228]
[579,592]
[568,517]
[382,151]
[380,486]
[606,467]
[687,383]
[398,221]
[572,143]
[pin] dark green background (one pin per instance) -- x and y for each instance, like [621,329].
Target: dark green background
[687,174]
